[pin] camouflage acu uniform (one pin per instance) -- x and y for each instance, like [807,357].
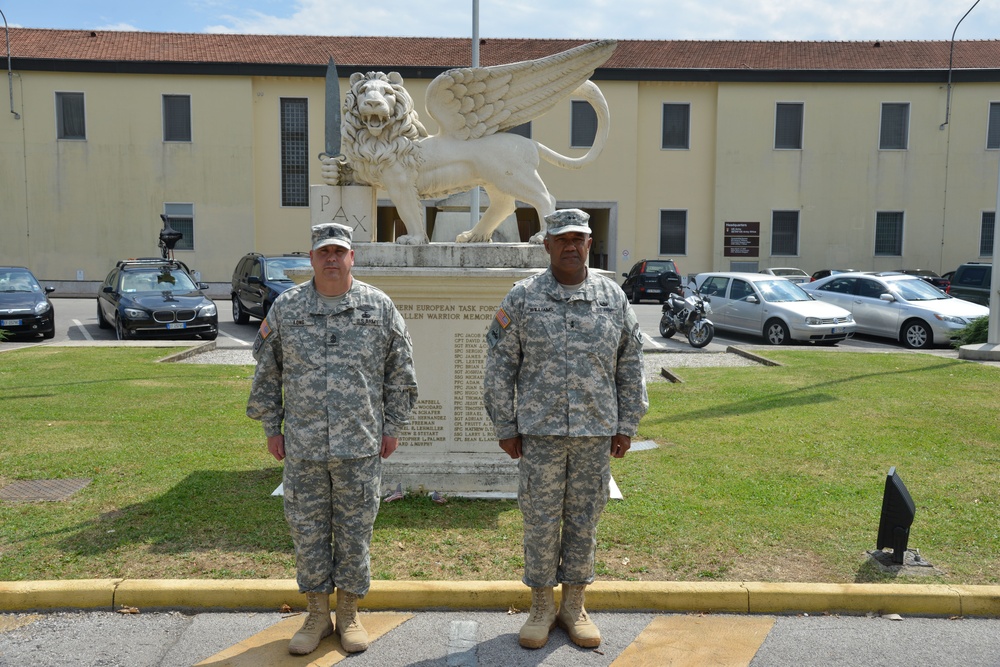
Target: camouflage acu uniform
[564,371]
[339,377]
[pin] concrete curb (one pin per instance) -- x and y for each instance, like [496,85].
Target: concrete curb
[718,597]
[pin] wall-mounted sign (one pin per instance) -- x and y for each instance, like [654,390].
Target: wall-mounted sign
[742,239]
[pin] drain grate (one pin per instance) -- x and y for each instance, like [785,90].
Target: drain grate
[33,490]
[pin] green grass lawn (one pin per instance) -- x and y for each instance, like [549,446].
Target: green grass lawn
[763,474]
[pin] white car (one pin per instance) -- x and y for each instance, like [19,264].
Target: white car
[905,308]
[795,275]
[772,307]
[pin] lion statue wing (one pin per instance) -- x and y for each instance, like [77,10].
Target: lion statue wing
[472,102]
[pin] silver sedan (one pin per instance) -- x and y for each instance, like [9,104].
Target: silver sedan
[902,307]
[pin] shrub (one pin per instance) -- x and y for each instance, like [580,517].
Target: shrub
[974,333]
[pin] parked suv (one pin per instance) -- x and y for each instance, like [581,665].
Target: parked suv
[972,282]
[644,280]
[259,279]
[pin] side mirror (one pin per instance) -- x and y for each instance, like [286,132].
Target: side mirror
[886,297]
[202,285]
[108,289]
[254,280]
[50,289]
[624,275]
[752,299]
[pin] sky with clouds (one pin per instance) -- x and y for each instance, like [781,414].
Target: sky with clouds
[826,20]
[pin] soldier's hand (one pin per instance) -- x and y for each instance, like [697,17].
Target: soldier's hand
[619,445]
[276,445]
[389,445]
[512,446]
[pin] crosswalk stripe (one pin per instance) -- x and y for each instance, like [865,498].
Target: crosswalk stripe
[697,641]
[270,646]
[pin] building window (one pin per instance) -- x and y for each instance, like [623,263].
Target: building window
[993,128]
[294,152]
[524,129]
[676,126]
[895,126]
[673,232]
[785,233]
[889,234]
[583,126]
[986,234]
[788,125]
[181,218]
[70,117]
[177,118]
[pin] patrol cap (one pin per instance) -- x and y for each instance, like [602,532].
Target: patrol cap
[331,233]
[567,220]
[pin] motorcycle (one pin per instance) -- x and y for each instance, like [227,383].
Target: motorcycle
[687,314]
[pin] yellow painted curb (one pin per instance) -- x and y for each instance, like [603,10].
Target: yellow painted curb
[979,600]
[210,593]
[69,594]
[660,596]
[668,596]
[933,600]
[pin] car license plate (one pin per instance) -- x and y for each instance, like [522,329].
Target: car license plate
[652,291]
[837,330]
[10,323]
[176,325]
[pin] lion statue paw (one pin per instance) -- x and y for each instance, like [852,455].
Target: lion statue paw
[538,238]
[471,237]
[413,239]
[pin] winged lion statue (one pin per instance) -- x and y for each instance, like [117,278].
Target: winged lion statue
[387,146]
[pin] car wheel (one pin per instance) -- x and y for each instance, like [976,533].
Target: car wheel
[917,335]
[101,322]
[635,294]
[120,331]
[776,333]
[239,315]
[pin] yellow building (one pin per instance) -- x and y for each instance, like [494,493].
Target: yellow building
[722,155]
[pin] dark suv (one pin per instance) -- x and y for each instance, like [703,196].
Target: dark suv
[972,282]
[644,280]
[155,298]
[259,279]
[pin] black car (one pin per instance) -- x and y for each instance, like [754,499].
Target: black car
[646,280]
[155,298]
[259,279]
[971,281]
[942,283]
[25,309]
[823,273]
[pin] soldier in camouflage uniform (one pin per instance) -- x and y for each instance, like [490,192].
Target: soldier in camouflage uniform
[565,391]
[334,364]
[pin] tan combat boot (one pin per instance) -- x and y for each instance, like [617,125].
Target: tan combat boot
[574,618]
[317,625]
[541,619]
[353,636]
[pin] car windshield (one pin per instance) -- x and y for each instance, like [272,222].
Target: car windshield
[157,280]
[916,290]
[781,291]
[276,267]
[656,268]
[18,280]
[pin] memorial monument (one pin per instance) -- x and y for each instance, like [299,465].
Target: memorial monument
[449,292]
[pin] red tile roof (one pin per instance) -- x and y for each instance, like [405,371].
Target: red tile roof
[86,45]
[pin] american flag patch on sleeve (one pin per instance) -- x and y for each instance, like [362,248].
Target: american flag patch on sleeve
[503,318]
[265,329]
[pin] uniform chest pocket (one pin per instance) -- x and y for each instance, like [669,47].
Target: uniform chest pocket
[602,328]
[304,345]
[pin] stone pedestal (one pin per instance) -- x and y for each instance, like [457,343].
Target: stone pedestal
[448,294]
